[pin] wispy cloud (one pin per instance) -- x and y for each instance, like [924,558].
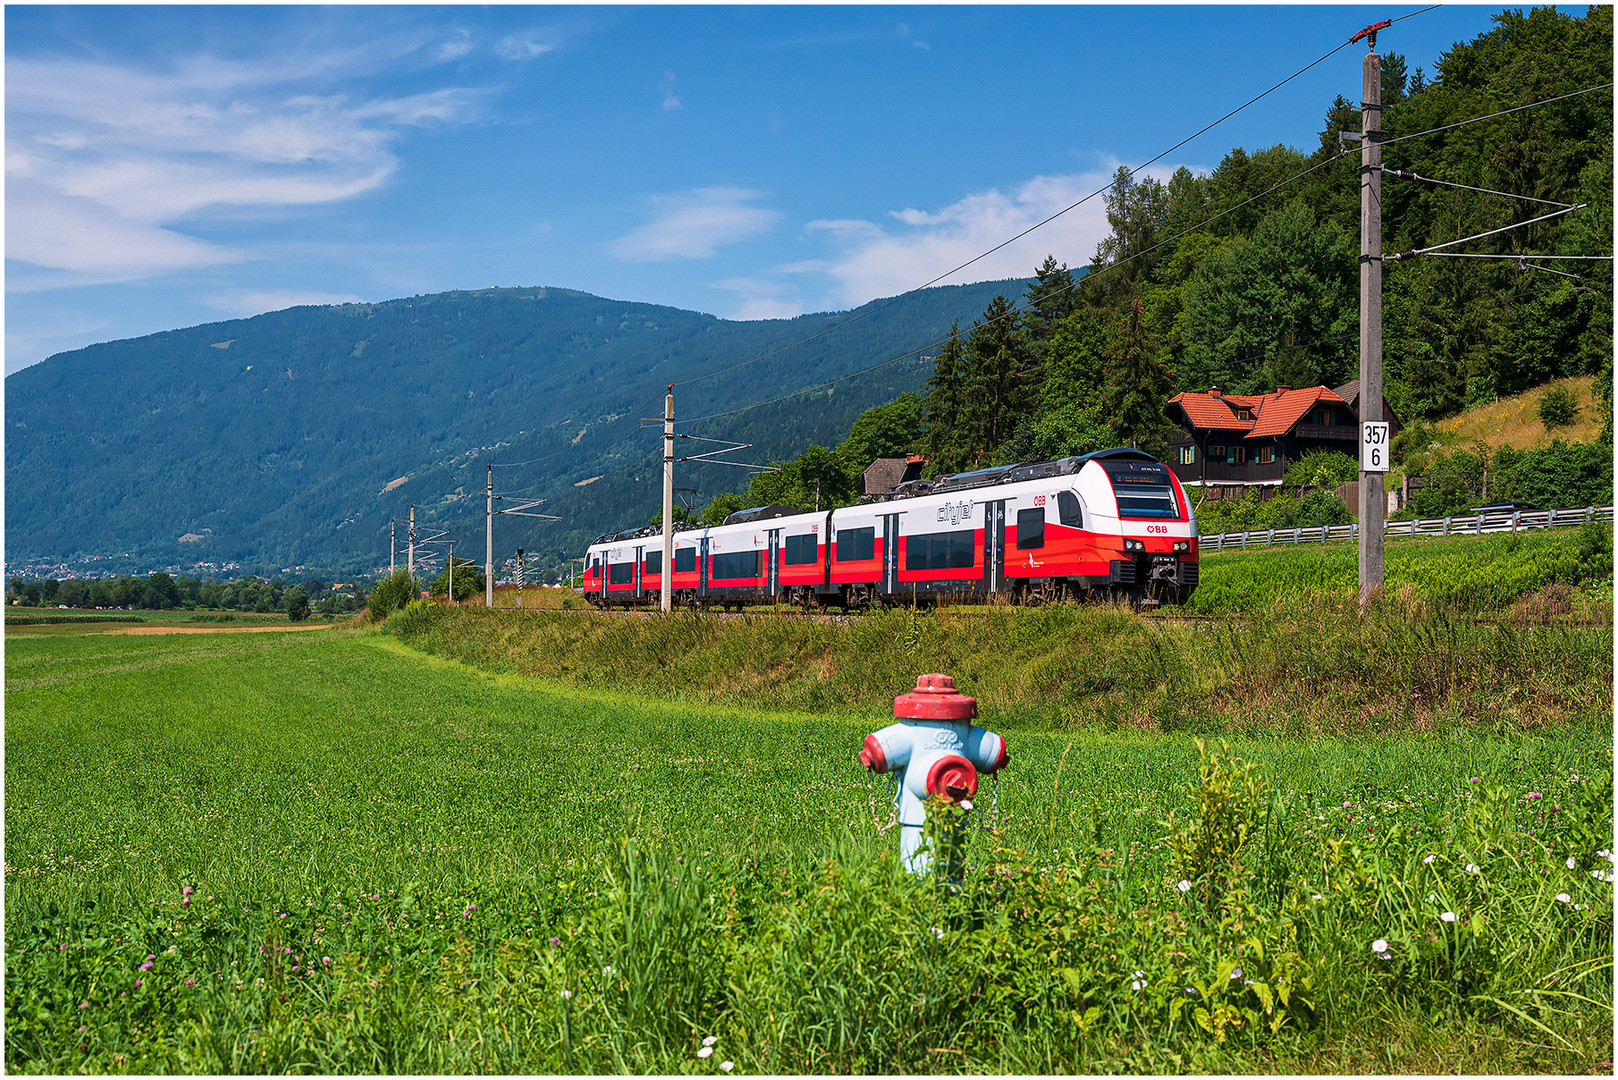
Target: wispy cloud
[524,46]
[107,165]
[670,101]
[873,260]
[691,225]
[245,302]
[761,299]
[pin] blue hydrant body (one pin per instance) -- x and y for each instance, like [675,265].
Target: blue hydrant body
[935,750]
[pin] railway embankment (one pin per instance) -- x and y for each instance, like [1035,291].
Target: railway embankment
[1430,655]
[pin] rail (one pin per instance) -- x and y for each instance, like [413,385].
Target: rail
[1469,525]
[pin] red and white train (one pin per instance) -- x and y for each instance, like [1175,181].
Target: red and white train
[1115,523]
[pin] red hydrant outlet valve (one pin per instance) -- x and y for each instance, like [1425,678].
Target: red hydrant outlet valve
[873,757]
[952,777]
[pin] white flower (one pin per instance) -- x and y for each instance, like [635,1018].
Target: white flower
[1315,895]
[1428,861]
[1571,862]
[727,1065]
[1472,868]
[1236,974]
[567,995]
[710,1040]
[1184,886]
[966,804]
[1137,984]
[1564,898]
[705,1051]
[1380,945]
[938,932]
[1448,916]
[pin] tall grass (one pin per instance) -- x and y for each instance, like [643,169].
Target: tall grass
[399,864]
[1308,664]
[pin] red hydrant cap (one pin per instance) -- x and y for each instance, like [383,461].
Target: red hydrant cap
[934,698]
[953,777]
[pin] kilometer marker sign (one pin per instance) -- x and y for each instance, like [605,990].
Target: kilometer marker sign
[1373,446]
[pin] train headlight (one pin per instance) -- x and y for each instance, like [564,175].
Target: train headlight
[1134,545]
[1182,545]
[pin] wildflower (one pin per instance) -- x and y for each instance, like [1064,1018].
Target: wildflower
[1315,895]
[1137,984]
[325,960]
[1236,974]
[147,966]
[727,1065]
[555,940]
[187,891]
[1184,886]
[710,1040]
[1473,780]
[705,1051]
[84,1004]
[1380,945]
[938,932]
[966,804]
[190,982]
[137,983]
[62,947]
[1563,898]
[1448,916]
[1571,862]
[566,995]
[1428,861]
[1472,868]
[1535,795]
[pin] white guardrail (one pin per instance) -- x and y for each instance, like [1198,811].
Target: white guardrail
[1473,524]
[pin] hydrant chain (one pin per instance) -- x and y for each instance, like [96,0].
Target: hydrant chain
[876,818]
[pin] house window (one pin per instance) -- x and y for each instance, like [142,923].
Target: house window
[1239,455]
[1266,455]
[1323,417]
[1188,454]
[1216,452]
[1244,414]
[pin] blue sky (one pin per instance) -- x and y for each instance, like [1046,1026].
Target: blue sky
[169,166]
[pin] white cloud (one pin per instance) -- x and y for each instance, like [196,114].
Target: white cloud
[693,224]
[761,299]
[874,260]
[245,302]
[670,101]
[107,164]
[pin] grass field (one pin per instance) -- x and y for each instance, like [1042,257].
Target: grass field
[397,863]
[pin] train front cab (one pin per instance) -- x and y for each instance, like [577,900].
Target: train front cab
[1158,556]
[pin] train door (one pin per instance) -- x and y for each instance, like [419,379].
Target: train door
[702,568]
[994,544]
[640,567]
[890,553]
[775,563]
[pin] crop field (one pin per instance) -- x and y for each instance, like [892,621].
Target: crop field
[334,853]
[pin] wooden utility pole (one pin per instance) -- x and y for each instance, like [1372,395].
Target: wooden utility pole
[666,592]
[1373,502]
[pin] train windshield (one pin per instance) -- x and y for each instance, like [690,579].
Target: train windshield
[1144,489]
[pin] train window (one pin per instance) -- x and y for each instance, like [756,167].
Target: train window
[654,562]
[1068,509]
[941,551]
[1030,528]
[595,564]
[855,545]
[1143,491]
[738,564]
[621,573]
[802,550]
[685,560]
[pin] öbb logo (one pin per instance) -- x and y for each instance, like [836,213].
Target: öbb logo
[955,513]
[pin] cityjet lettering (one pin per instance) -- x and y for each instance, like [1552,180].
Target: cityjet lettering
[955,513]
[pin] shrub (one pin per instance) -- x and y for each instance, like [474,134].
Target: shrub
[1558,406]
[1321,468]
[391,594]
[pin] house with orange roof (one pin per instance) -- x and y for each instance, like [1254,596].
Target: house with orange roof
[1249,439]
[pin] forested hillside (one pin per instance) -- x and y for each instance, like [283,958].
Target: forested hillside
[1247,278]
[269,442]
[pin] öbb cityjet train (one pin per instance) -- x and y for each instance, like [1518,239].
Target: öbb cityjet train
[1115,523]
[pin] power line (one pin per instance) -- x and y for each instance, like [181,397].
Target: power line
[1038,225]
[1405,174]
[1491,116]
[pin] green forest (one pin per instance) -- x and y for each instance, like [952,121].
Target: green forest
[1247,279]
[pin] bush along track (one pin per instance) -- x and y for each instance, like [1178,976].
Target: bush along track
[1267,945]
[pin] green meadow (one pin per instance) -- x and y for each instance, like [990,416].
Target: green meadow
[335,852]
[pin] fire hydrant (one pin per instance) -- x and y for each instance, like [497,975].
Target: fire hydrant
[937,751]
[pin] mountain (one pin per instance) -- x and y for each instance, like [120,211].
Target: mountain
[290,439]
